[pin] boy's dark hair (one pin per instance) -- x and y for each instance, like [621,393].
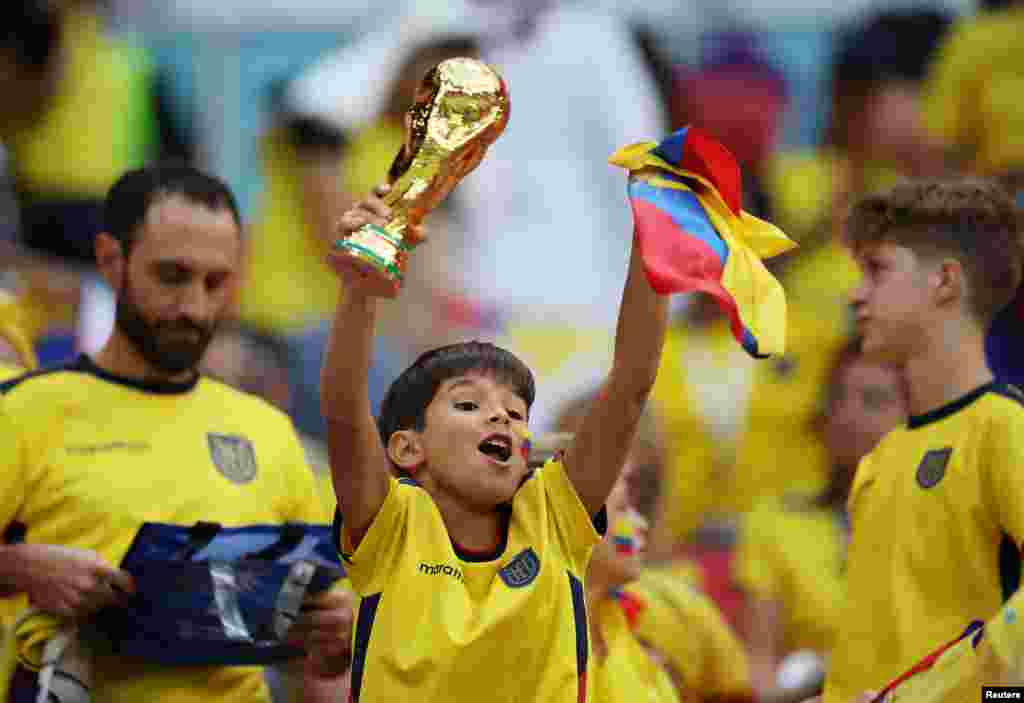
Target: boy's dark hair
[972,220]
[130,198]
[405,405]
[31,29]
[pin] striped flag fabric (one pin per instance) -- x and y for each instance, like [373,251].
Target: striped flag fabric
[694,236]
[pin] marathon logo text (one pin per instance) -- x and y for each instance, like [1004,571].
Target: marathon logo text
[441,569]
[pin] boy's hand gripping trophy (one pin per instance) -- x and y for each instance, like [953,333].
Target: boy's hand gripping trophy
[461,107]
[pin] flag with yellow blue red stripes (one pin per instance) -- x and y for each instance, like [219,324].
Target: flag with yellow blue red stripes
[694,236]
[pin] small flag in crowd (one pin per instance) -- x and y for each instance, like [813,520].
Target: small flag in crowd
[694,236]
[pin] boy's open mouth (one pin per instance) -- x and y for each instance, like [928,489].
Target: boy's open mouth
[497,447]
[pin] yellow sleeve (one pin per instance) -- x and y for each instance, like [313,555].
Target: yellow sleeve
[307,503]
[726,670]
[628,668]
[1005,444]
[13,468]
[948,93]
[369,565]
[1001,652]
[575,527]
[325,489]
[1002,648]
[9,371]
[755,564]
[686,628]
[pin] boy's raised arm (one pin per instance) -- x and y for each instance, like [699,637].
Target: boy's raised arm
[602,442]
[359,464]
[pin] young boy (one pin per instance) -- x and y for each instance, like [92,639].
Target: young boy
[652,630]
[937,509]
[470,568]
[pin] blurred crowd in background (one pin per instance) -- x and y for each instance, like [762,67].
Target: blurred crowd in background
[748,461]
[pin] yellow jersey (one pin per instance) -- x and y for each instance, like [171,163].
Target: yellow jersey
[627,673]
[972,97]
[291,286]
[738,429]
[9,607]
[368,158]
[990,653]
[804,186]
[9,371]
[434,624]
[99,124]
[88,457]
[685,627]
[937,511]
[793,551]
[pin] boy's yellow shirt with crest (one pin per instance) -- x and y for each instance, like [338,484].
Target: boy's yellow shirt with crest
[436,624]
[937,511]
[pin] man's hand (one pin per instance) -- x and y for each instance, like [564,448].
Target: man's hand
[324,630]
[70,582]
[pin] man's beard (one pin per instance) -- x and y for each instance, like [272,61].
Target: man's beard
[172,355]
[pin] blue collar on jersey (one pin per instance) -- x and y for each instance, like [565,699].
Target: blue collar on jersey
[948,409]
[86,365]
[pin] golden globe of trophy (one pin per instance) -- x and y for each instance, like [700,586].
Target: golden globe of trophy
[461,107]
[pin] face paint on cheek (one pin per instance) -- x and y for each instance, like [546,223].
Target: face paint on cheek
[527,444]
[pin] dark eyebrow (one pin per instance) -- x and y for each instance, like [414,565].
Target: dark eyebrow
[462,382]
[180,263]
[190,267]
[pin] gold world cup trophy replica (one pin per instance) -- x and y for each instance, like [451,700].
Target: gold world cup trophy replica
[461,108]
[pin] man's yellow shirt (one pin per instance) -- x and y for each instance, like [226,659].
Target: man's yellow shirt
[937,511]
[793,551]
[9,607]
[973,95]
[88,457]
[436,624]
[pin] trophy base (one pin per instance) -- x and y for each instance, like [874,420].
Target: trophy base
[378,255]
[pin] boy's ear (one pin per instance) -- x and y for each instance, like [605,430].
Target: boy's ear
[951,281]
[405,449]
